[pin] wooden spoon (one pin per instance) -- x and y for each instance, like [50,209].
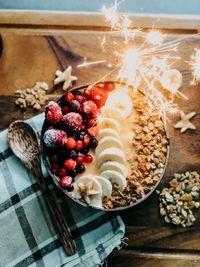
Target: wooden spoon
[24,143]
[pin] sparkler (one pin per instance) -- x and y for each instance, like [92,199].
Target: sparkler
[195,64]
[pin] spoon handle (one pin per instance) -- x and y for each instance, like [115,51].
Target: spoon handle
[56,215]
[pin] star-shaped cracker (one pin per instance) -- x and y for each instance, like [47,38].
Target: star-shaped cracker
[65,77]
[185,123]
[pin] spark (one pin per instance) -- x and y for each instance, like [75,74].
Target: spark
[86,64]
[195,65]
[155,37]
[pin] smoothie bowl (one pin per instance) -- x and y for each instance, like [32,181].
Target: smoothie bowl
[104,147]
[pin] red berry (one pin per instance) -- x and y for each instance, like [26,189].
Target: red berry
[70,143]
[91,122]
[80,98]
[62,172]
[90,108]
[73,121]
[86,139]
[97,95]
[54,138]
[79,145]
[87,92]
[54,167]
[88,158]
[109,86]
[80,159]
[65,110]
[66,181]
[53,112]
[70,164]
[69,96]
[93,131]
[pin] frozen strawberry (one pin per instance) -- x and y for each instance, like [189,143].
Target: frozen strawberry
[109,86]
[54,138]
[93,131]
[97,95]
[53,112]
[70,164]
[73,121]
[90,108]
[69,96]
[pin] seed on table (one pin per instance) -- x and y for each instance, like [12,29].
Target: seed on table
[167,219]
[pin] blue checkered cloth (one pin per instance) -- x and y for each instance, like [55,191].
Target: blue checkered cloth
[27,236]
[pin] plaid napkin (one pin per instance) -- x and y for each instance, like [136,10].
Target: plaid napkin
[27,236]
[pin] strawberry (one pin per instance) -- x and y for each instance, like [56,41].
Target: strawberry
[97,95]
[109,86]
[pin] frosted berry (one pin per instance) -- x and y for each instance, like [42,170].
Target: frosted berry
[70,164]
[73,121]
[53,112]
[90,108]
[66,181]
[54,138]
[74,105]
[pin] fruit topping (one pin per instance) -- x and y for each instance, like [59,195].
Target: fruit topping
[97,95]
[53,112]
[79,145]
[80,168]
[88,158]
[109,86]
[90,108]
[70,164]
[54,138]
[80,159]
[74,105]
[62,172]
[65,110]
[73,121]
[70,143]
[69,97]
[93,131]
[66,181]
[86,139]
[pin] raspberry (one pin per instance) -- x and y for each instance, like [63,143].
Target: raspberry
[88,158]
[80,98]
[90,108]
[54,167]
[69,96]
[79,145]
[62,172]
[93,131]
[86,139]
[70,143]
[74,105]
[66,181]
[73,121]
[97,95]
[80,159]
[91,122]
[109,86]
[70,164]
[65,110]
[54,138]
[53,112]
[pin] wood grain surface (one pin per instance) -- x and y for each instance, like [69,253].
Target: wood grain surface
[33,55]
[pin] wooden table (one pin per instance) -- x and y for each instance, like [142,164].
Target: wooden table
[33,45]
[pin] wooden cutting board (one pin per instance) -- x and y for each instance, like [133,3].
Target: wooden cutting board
[33,45]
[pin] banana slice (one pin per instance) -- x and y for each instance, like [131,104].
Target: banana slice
[122,102]
[107,132]
[90,188]
[106,185]
[113,113]
[115,178]
[106,142]
[172,80]
[114,166]
[111,153]
[109,123]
